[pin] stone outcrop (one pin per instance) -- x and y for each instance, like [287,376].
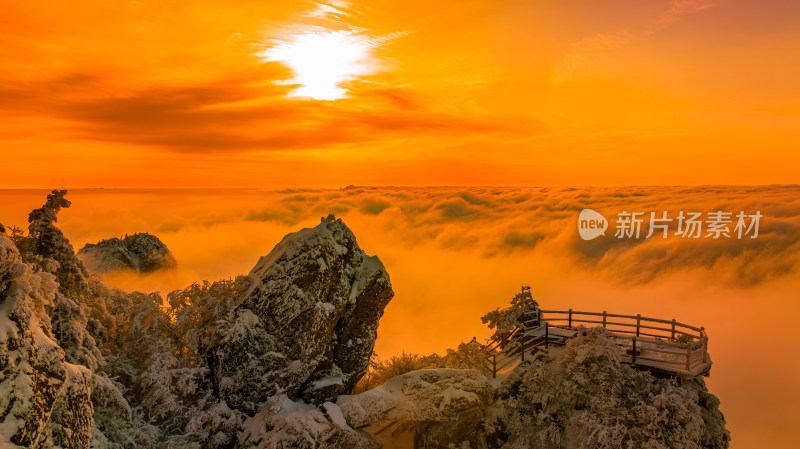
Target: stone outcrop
[443,407]
[430,395]
[141,252]
[580,395]
[307,326]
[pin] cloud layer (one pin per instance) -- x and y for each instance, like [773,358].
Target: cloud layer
[497,221]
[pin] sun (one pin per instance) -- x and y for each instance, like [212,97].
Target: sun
[322,60]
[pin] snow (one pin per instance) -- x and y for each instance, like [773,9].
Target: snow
[292,420]
[328,307]
[9,260]
[335,414]
[370,266]
[243,322]
[326,382]
[424,395]
[293,244]
[289,242]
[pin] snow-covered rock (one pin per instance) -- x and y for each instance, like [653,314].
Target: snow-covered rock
[431,395]
[298,425]
[141,252]
[307,326]
[581,396]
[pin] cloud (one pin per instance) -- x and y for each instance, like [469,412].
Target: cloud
[678,8]
[189,80]
[496,222]
[225,115]
[374,206]
[516,239]
[584,55]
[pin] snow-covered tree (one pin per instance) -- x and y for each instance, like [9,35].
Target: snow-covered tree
[503,321]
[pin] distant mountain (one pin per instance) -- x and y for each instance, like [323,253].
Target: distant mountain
[141,252]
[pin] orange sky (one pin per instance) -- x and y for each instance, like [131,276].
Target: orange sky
[198,93]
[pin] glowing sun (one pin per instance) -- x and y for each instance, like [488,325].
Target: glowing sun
[322,60]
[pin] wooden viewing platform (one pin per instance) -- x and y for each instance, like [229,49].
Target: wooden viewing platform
[662,346]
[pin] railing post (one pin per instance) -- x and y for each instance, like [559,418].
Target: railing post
[638,323]
[546,335]
[494,365]
[523,347]
[570,319]
[688,357]
[705,344]
[604,318]
[673,329]
[634,351]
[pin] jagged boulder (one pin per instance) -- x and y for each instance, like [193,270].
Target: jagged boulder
[307,326]
[429,395]
[140,252]
[44,401]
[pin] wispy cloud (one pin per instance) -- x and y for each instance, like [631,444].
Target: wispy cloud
[583,56]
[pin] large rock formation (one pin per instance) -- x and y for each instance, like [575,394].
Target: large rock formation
[141,252]
[433,395]
[307,326]
[438,408]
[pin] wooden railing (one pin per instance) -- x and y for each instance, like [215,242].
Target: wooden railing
[648,343]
